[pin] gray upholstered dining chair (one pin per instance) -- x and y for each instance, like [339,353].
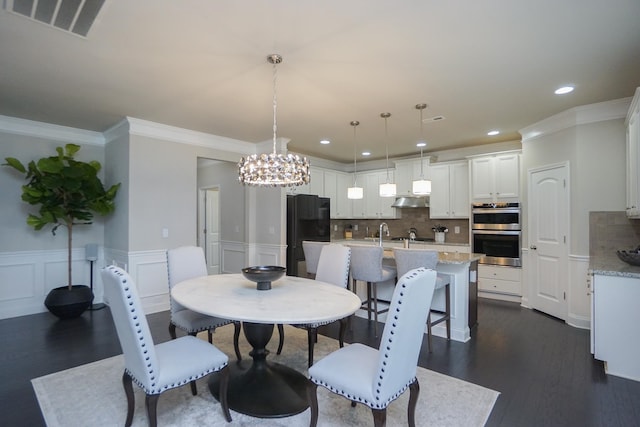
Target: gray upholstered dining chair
[157,368]
[376,377]
[408,259]
[312,252]
[184,263]
[333,267]
[367,266]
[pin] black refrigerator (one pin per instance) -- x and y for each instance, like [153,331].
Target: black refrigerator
[307,219]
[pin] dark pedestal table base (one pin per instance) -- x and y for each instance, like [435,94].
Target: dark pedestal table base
[260,388]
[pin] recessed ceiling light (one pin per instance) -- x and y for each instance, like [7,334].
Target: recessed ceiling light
[493,132]
[325,141]
[421,144]
[564,90]
[366,153]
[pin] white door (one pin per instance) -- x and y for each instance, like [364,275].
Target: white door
[210,228]
[548,234]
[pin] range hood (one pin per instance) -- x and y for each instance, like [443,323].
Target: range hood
[411,202]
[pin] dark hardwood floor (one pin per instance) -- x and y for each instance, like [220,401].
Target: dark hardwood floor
[541,366]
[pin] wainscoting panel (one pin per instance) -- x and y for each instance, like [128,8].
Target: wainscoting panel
[232,256]
[27,277]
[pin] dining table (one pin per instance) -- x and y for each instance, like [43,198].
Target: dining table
[260,387]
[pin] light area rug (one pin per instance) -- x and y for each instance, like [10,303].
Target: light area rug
[92,394]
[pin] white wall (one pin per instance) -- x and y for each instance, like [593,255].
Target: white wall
[592,140]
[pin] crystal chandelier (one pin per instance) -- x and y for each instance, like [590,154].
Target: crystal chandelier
[354,192]
[274,170]
[388,189]
[421,187]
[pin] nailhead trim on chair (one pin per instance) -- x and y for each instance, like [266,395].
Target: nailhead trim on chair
[143,345]
[377,404]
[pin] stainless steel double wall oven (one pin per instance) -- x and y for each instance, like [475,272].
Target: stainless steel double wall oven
[496,232]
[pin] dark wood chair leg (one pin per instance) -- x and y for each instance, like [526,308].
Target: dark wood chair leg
[128,391]
[312,397]
[353,403]
[375,309]
[447,300]
[369,301]
[151,403]
[236,339]
[224,386]
[379,417]
[343,329]
[312,336]
[172,331]
[429,332]
[414,392]
[210,336]
[194,388]
[281,339]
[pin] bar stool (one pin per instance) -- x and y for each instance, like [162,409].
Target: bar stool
[408,259]
[366,266]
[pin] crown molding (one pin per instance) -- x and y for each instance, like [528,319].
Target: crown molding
[185,136]
[50,131]
[585,114]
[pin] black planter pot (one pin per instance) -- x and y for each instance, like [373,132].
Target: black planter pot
[68,303]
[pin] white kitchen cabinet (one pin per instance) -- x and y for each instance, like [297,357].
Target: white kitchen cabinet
[501,282]
[633,157]
[316,186]
[374,205]
[335,188]
[614,324]
[449,190]
[496,178]
[407,171]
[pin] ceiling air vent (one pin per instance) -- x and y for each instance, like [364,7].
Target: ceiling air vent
[75,16]
[433,119]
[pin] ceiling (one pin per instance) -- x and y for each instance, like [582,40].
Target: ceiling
[201,65]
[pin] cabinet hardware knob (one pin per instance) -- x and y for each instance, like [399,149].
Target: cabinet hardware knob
[534,247]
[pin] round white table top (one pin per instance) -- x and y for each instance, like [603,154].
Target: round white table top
[291,300]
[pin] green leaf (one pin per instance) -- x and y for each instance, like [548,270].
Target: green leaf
[15,163]
[71,149]
[50,165]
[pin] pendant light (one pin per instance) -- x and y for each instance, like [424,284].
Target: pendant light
[421,187]
[354,192]
[388,189]
[274,170]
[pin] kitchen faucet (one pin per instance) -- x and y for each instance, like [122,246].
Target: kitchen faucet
[383,226]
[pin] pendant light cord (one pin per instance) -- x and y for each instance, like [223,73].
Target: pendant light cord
[275,102]
[355,123]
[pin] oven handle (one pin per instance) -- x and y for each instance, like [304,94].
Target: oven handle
[496,210]
[500,232]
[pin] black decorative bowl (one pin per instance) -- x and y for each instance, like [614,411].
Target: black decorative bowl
[263,275]
[630,257]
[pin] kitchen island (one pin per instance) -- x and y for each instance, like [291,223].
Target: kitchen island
[461,267]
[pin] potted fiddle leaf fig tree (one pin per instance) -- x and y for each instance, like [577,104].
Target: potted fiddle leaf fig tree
[68,193]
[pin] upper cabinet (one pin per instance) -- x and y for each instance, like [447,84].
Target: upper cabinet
[633,159]
[374,205]
[496,178]
[449,190]
[407,171]
[335,188]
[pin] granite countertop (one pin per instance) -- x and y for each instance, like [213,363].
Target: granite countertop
[446,257]
[612,266]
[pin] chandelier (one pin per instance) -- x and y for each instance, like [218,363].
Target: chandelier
[274,170]
[421,187]
[354,192]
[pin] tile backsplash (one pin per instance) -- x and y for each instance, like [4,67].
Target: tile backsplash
[417,218]
[612,231]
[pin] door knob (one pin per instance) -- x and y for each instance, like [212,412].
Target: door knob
[534,247]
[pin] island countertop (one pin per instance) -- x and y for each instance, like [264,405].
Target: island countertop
[447,257]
